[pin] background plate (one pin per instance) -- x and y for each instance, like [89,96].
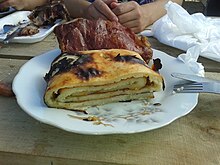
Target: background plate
[20,16]
[115,118]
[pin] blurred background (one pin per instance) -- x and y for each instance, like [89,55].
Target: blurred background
[207,7]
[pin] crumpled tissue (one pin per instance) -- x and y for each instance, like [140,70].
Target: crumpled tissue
[195,34]
[181,30]
[190,59]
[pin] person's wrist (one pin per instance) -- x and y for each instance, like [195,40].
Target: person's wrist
[146,19]
[27,5]
[147,15]
[80,7]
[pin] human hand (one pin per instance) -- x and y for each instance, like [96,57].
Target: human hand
[19,5]
[131,15]
[100,9]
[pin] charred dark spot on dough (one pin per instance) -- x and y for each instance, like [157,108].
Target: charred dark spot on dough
[125,101]
[163,85]
[157,65]
[55,95]
[157,104]
[87,73]
[129,58]
[83,59]
[65,64]
[148,82]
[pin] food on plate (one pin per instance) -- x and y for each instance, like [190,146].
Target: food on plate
[95,77]
[49,14]
[23,29]
[83,34]
[28,30]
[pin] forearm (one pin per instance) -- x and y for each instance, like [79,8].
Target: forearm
[76,8]
[156,9]
[30,4]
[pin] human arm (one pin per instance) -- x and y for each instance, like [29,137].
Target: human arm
[138,17]
[95,10]
[22,4]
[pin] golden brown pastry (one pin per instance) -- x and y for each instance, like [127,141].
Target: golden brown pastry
[97,77]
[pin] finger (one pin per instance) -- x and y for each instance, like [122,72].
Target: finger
[89,12]
[130,24]
[89,16]
[114,5]
[134,25]
[123,8]
[127,17]
[108,2]
[95,14]
[136,29]
[105,10]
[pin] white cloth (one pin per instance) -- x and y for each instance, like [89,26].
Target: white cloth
[192,33]
[181,30]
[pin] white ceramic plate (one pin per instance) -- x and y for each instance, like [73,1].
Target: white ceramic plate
[129,117]
[21,16]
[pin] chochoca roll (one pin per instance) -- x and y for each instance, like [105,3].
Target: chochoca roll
[96,77]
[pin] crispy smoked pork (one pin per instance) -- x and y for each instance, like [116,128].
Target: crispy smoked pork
[82,34]
[48,14]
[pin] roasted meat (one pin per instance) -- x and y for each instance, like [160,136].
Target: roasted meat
[82,34]
[29,30]
[6,89]
[48,14]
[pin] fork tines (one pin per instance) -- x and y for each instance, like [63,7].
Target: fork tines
[197,87]
[188,88]
[194,87]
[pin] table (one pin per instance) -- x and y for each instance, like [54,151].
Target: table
[190,140]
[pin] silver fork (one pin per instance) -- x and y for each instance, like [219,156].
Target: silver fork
[198,87]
